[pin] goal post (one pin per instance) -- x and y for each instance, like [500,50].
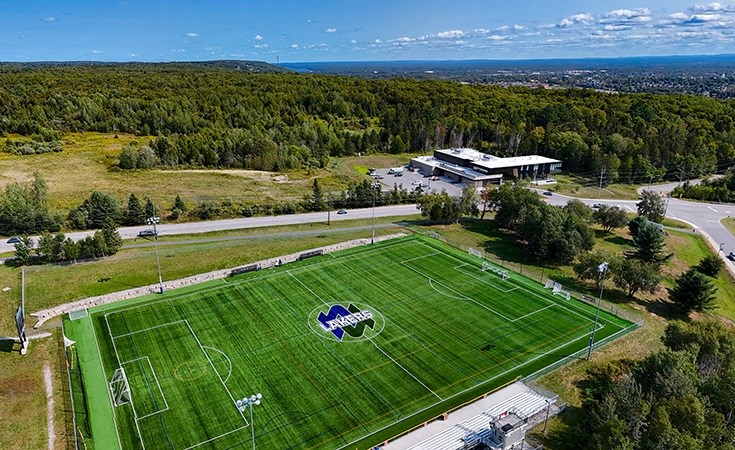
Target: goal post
[119,387]
[502,273]
[475,252]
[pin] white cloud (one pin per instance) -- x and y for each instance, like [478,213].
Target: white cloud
[192,34]
[378,41]
[261,45]
[628,14]
[178,50]
[482,31]
[330,30]
[679,16]
[133,55]
[496,37]
[616,27]
[97,52]
[49,19]
[504,28]
[258,37]
[714,7]
[451,34]
[353,42]
[294,45]
[518,27]
[583,18]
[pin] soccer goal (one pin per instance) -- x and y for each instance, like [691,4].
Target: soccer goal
[487,267]
[119,388]
[474,252]
[557,289]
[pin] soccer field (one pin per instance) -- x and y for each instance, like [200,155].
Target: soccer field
[348,349]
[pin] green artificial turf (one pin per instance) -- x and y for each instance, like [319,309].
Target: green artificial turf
[443,332]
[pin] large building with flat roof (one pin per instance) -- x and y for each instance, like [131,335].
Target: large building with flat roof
[467,165]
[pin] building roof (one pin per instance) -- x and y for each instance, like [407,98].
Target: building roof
[494,162]
[464,172]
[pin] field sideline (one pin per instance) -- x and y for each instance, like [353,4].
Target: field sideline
[348,349]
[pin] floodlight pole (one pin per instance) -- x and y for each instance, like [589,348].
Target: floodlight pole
[249,402]
[602,268]
[372,239]
[153,221]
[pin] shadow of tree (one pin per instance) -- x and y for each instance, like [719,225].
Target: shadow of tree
[6,345]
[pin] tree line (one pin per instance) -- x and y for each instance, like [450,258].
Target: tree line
[216,117]
[721,190]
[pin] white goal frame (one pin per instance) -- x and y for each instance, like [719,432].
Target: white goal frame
[487,267]
[474,252]
[120,388]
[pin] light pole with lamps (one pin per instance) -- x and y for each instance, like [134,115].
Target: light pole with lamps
[602,268]
[375,187]
[154,221]
[249,402]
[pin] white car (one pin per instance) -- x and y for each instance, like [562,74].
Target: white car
[416,183]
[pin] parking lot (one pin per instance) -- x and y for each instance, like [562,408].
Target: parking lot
[412,180]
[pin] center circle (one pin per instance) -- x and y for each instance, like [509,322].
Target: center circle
[189,371]
[346,322]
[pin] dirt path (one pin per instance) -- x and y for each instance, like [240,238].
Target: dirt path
[50,406]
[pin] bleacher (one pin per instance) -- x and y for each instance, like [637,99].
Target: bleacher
[477,429]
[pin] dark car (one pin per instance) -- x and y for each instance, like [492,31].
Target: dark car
[14,240]
[147,233]
[548,193]
[342,211]
[731,256]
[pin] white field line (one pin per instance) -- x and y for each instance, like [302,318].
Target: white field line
[350,444]
[459,293]
[307,288]
[145,329]
[527,291]
[534,312]
[157,384]
[444,293]
[405,370]
[214,438]
[505,291]
[215,371]
[117,356]
[229,373]
[420,257]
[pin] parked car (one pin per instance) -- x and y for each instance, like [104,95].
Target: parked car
[416,183]
[548,193]
[14,240]
[147,233]
[596,205]
[731,256]
[434,178]
[398,174]
[342,211]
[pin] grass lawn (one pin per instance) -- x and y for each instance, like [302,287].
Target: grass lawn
[23,395]
[583,188]
[729,223]
[95,154]
[328,384]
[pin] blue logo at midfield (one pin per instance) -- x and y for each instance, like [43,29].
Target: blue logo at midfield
[351,320]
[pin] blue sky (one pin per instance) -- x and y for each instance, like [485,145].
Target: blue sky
[349,30]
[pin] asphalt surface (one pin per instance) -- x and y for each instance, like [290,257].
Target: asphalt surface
[250,222]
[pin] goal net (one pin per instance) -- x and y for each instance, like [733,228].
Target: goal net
[119,388]
[475,252]
[502,273]
[78,314]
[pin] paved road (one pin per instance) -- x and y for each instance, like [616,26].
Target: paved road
[251,222]
[704,217]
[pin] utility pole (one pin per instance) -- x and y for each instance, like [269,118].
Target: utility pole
[602,173]
[602,268]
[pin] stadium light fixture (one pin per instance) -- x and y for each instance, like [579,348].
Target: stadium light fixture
[154,221]
[248,402]
[375,187]
[602,269]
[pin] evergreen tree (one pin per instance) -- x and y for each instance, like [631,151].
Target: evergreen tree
[23,251]
[317,196]
[94,210]
[650,243]
[111,236]
[71,250]
[150,208]
[651,206]
[693,291]
[179,204]
[135,214]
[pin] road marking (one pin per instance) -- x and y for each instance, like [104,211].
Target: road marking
[629,208]
[713,209]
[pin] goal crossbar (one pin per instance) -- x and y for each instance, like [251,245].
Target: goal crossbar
[487,267]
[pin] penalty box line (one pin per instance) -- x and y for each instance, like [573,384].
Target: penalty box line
[157,384]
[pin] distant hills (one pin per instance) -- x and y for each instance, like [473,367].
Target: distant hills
[227,64]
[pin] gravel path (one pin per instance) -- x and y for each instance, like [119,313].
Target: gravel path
[48,380]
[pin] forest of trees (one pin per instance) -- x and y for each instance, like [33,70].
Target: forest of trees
[216,117]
